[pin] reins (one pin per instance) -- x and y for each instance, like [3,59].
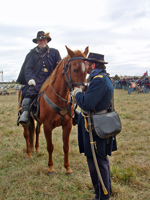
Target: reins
[60,96]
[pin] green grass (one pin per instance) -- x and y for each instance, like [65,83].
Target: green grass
[27,179]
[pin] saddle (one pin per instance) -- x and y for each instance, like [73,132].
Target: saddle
[35,108]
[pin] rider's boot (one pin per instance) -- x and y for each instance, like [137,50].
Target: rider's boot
[25,116]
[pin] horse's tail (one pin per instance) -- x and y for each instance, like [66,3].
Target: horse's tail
[31,129]
[19,100]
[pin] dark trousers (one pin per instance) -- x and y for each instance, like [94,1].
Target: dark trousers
[103,164]
[32,92]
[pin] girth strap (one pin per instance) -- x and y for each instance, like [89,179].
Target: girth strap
[59,110]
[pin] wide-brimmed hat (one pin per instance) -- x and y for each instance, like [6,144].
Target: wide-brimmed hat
[96,58]
[41,35]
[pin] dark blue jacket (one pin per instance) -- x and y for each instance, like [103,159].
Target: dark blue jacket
[34,63]
[97,97]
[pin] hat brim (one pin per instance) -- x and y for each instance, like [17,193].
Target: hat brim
[35,40]
[95,61]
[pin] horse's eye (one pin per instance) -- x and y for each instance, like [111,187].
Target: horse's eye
[75,70]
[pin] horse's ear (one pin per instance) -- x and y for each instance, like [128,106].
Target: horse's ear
[70,52]
[86,51]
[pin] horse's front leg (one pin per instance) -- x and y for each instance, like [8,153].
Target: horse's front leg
[26,136]
[66,134]
[50,147]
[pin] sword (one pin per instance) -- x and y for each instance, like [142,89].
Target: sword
[94,156]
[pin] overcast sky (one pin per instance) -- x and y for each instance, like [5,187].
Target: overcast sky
[119,29]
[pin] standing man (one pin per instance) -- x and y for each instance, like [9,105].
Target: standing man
[97,98]
[38,65]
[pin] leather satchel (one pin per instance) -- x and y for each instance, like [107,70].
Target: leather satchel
[107,124]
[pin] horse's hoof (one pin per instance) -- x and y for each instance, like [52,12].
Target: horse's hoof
[68,170]
[29,157]
[69,174]
[50,173]
[37,151]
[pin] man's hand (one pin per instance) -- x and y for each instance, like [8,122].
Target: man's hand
[32,82]
[75,91]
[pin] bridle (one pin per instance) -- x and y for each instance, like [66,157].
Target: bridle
[59,110]
[68,79]
[65,71]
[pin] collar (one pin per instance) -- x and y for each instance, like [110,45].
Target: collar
[95,72]
[41,51]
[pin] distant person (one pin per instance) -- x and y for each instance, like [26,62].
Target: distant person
[97,99]
[146,85]
[38,65]
[129,86]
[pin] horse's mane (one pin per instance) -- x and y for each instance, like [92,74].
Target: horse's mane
[52,77]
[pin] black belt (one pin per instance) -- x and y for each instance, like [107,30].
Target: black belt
[96,112]
[101,112]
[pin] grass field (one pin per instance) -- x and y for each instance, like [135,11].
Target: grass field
[24,179]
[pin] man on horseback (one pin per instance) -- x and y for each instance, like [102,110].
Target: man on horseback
[38,65]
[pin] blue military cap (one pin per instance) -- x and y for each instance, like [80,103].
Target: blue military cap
[42,35]
[96,58]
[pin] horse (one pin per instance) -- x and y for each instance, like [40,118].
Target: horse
[56,107]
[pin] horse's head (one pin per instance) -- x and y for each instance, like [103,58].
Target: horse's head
[74,68]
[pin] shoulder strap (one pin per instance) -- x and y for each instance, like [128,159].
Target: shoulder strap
[41,57]
[98,76]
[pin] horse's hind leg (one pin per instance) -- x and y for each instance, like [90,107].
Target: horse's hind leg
[66,133]
[29,137]
[26,136]
[37,137]
[31,129]
[50,147]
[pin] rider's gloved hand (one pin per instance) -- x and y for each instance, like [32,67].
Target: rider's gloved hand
[75,91]
[32,82]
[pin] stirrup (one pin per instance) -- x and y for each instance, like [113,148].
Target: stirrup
[24,120]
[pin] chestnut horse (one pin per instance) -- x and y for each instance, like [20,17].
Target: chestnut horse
[56,106]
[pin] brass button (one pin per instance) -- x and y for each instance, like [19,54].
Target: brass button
[45,70]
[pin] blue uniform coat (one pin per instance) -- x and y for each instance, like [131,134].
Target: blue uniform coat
[97,97]
[34,63]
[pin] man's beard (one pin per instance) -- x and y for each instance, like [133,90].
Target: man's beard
[89,69]
[43,45]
